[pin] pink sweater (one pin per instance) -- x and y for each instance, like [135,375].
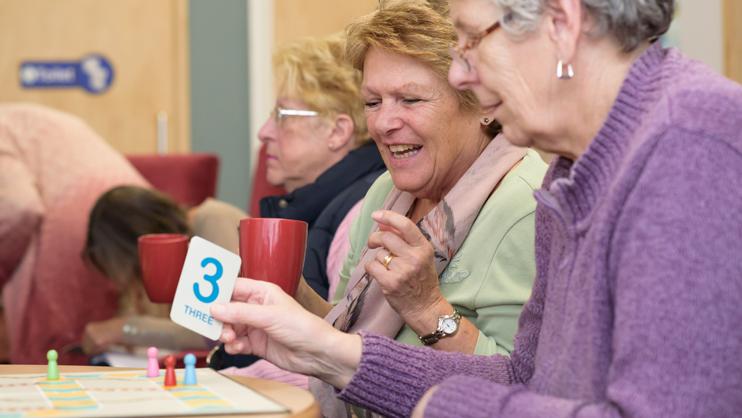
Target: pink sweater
[53,168]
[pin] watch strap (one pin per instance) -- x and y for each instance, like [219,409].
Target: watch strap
[435,336]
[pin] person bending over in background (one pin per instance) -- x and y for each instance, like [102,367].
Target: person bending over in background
[120,216]
[54,168]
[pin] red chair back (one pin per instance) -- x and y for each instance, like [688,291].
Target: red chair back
[187,178]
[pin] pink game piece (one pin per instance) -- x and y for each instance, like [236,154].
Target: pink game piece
[153,367]
[170,372]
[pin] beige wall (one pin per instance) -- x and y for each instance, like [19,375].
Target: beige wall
[272,22]
[697,31]
[298,18]
[710,31]
[147,44]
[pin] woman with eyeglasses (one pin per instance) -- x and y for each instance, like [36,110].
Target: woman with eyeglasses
[318,149]
[442,252]
[635,308]
[317,146]
[450,263]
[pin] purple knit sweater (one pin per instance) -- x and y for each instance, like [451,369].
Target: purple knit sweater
[637,306]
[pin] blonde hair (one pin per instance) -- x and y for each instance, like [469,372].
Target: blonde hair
[415,28]
[314,70]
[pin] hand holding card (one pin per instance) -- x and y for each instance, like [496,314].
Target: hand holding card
[208,277]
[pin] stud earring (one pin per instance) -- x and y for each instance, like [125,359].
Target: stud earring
[485,121]
[563,73]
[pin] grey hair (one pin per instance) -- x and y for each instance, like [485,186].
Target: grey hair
[630,22]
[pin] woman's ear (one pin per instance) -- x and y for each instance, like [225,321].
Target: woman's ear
[565,24]
[341,133]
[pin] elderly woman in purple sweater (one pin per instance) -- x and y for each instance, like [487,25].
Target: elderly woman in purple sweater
[636,306]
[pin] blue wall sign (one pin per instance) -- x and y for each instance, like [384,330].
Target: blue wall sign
[94,73]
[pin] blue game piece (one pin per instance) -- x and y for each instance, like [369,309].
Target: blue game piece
[190,369]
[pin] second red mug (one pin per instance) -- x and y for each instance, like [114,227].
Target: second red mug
[161,257]
[272,250]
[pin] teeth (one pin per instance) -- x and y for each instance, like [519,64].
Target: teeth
[402,147]
[404,150]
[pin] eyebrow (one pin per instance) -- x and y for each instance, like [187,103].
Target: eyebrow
[410,87]
[415,88]
[466,28]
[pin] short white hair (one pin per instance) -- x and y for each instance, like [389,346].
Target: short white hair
[630,22]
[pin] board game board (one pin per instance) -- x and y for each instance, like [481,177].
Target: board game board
[126,394]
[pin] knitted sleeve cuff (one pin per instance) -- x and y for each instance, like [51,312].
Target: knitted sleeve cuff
[465,396]
[388,379]
[392,376]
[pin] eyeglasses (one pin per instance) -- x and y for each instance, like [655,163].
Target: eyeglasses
[459,52]
[279,113]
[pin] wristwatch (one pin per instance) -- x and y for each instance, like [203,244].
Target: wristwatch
[447,326]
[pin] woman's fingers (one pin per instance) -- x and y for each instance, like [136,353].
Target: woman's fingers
[389,241]
[228,333]
[241,313]
[377,270]
[387,228]
[407,229]
[237,346]
[250,290]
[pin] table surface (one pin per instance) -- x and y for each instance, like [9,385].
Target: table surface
[300,402]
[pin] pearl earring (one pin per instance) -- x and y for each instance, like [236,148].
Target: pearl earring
[485,121]
[562,73]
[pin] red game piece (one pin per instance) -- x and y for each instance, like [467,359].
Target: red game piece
[170,371]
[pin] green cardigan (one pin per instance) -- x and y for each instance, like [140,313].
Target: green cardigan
[490,277]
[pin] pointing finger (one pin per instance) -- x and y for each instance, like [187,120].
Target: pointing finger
[408,231]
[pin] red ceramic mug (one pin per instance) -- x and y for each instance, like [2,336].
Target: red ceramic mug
[272,250]
[161,257]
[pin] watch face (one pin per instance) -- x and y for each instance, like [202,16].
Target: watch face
[449,326]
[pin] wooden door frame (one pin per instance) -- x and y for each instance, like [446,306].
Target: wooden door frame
[182,92]
[260,15]
[732,12]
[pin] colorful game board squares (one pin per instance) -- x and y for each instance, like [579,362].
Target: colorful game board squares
[125,394]
[66,395]
[197,397]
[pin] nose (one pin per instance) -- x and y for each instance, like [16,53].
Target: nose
[268,131]
[385,119]
[460,77]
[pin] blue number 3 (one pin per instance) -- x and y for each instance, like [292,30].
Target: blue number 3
[211,278]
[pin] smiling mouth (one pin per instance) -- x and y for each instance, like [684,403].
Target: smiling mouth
[401,151]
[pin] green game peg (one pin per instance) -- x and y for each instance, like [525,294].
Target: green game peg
[52,372]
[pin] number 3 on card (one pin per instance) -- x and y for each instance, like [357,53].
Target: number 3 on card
[211,279]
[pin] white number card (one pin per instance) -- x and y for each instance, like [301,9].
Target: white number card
[208,277]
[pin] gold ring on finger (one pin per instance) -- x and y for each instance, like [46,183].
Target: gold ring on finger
[387,259]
